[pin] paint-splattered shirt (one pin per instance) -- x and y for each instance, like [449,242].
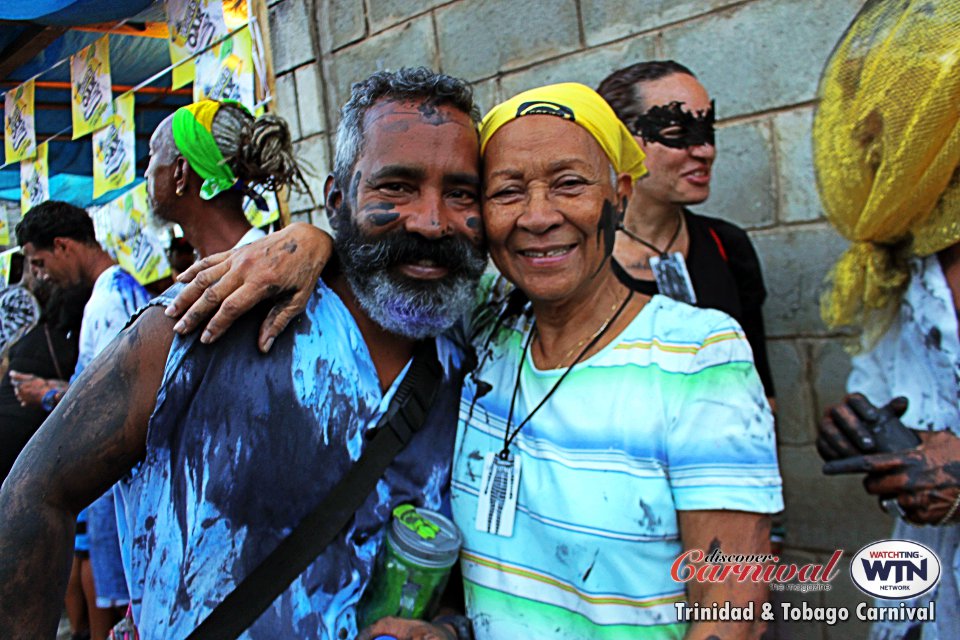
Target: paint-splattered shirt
[669,416]
[242,445]
[919,357]
[116,296]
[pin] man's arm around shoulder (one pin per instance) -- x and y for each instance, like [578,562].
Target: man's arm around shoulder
[96,434]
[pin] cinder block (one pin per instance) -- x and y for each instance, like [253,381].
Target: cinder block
[799,201]
[342,22]
[795,262]
[761,55]
[825,513]
[742,188]
[788,361]
[606,20]
[303,216]
[314,156]
[587,67]
[286,103]
[483,37]
[831,366]
[845,594]
[290,35]
[411,44]
[779,629]
[387,13]
[486,94]
[310,100]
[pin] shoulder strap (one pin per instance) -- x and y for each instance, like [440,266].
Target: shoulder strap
[404,417]
[53,352]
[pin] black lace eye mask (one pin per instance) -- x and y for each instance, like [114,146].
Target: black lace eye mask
[673,127]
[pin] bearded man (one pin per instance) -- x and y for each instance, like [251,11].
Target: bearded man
[234,447]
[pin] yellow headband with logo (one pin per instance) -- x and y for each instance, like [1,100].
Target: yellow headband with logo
[579,104]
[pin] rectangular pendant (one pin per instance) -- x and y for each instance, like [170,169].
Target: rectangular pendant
[497,502]
[673,279]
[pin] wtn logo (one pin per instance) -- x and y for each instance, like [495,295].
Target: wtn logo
[895,569]
[903,570]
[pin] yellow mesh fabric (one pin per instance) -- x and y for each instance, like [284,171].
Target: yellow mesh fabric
[886,144]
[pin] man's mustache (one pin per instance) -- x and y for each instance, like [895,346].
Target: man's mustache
[455,253]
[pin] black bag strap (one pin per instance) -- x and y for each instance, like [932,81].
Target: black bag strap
[403,418]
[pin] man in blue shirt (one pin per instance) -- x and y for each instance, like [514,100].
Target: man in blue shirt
[235,447]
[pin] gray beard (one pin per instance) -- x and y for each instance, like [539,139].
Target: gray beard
[411,310]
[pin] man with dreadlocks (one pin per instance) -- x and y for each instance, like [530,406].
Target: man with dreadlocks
[233,448]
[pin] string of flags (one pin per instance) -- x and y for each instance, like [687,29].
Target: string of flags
[212,49]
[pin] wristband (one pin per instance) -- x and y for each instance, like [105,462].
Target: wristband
[50,399]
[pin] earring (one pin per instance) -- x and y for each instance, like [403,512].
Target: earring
[179,190]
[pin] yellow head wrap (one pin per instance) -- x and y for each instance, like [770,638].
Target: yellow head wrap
[886,140]
[579,104]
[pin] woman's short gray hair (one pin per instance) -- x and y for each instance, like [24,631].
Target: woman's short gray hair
[417,83]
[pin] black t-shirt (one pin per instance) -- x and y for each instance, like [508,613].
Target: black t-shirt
[30,354]
[725,272]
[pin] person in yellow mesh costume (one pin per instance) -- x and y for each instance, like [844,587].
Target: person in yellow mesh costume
[886,148]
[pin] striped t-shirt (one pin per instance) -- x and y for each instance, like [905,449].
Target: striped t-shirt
[670,416]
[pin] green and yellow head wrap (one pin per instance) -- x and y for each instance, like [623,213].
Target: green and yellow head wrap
[579,104]
[192,133]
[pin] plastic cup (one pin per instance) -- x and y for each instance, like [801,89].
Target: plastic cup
[413,566]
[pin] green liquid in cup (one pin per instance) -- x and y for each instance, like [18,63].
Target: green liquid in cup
[413,566]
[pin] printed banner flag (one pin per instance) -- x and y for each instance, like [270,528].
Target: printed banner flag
[19,136]
[138,250]
[226,71]
[90,88]
[5,258]
[193,25]
[4,226]
[114,151]
[34,183]
[259,218]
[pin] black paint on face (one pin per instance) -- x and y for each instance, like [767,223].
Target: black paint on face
[607,227]
[382,219]
[380,214]
[431,114]
[673,127]
[473,222]
[355,186]
[607,231]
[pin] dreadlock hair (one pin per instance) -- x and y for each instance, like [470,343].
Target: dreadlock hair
[259,150]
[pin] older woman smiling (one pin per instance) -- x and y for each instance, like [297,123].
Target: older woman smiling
[603,432]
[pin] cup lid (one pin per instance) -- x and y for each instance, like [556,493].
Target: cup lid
[427,537]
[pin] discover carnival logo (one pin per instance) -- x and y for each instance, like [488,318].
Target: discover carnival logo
[895,569]
[888,569]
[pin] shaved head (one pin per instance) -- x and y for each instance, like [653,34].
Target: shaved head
[162,144]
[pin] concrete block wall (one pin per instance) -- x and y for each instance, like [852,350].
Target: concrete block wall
[760,59]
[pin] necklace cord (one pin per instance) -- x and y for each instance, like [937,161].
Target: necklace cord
[509,437]
[673,239]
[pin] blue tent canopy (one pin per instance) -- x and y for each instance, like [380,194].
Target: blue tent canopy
[133,59]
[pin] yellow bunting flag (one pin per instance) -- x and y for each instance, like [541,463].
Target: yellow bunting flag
[139,251]
[90,88]
[4,226]
[114,152]
[34,184]
[5,259]
[193,25]
[20,138]
[226,71]
[256,216]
